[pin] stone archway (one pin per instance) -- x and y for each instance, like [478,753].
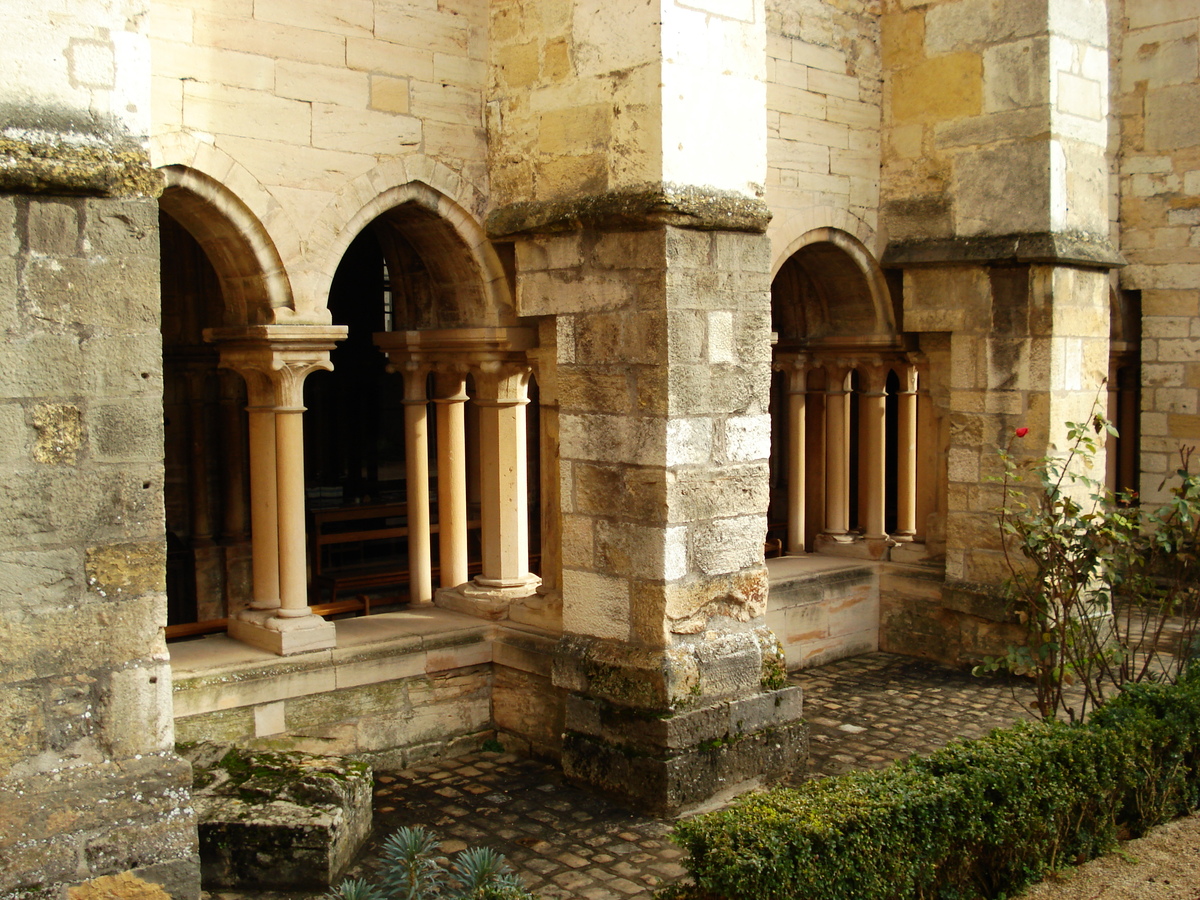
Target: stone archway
[843,403]
[217,270]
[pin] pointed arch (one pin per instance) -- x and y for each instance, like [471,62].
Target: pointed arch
[254,283]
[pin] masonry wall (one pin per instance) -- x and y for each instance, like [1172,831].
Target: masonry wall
[824,91]
[294,107]
[89,783]
[1156,90]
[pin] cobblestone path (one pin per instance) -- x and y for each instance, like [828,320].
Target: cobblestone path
[863,713]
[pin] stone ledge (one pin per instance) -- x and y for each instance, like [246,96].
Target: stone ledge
[644,206]
[66,165]
[1091,251]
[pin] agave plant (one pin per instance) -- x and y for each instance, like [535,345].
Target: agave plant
[414,869]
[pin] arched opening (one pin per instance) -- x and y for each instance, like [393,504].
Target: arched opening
[207,488]
[843,404]
[401,450]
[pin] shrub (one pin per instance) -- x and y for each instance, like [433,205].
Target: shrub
[1108,590]
[414,869]
[975,819]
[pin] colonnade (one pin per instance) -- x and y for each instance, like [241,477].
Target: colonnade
[821,397]
[276,359]
[497,361]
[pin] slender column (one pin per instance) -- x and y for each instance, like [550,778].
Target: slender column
[450,400]
[264,508]
[797,387]
[836,453]
[275,360]
[814,451]
[872,416]
[504,500]
[416,469]
[906,453]
[927,452]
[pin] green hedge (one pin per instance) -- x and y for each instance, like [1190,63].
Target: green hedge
[976,819]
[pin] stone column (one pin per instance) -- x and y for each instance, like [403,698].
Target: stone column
[872,421]
[837,455]
[264,507]
[497,359]
[796,372]
[906,452]
[416,469]
[450,399]
[275,360]
[502,393]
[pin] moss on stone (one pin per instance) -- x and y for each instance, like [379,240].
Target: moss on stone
[59,166]
[643,206]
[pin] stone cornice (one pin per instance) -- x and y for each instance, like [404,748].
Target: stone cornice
[1091,251]
[43,163]
[644,206]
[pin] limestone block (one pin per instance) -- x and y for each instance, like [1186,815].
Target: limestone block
[728,545]
[1015,74]
[528,705]
[1143,15]
[1173,117]
[352,18]
[943,87]
[747,438]
[407,57]
[1002,190]
[287,820]
[595,604]
[220,108]
[181,61]
[362,130]
[695,496]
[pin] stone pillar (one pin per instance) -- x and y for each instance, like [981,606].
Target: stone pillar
[497,359]
[1005,255]
[647,245]
[416,468]
[796,372]
[275,360]
[502,393]
[837,455]
[264,507]
[450,398]
[906,452]
[90,784]
[872,422]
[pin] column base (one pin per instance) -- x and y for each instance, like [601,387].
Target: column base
[262,628]
[852,546]
[486,599]
[690,760]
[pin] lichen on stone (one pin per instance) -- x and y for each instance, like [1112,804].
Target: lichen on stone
[643,206]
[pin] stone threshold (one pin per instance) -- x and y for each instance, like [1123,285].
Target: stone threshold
[217,672]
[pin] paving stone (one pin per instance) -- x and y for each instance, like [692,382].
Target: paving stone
[863,713]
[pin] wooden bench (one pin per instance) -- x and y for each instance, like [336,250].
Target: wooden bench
[355,529]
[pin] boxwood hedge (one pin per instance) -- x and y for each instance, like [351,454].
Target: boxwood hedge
[975,819]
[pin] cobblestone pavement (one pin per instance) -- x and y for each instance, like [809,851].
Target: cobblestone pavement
[863,713]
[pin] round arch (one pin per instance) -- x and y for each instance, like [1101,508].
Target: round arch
[828,285]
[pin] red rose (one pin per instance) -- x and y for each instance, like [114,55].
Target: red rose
[1021,432]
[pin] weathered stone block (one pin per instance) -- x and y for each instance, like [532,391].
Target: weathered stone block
[280,820]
